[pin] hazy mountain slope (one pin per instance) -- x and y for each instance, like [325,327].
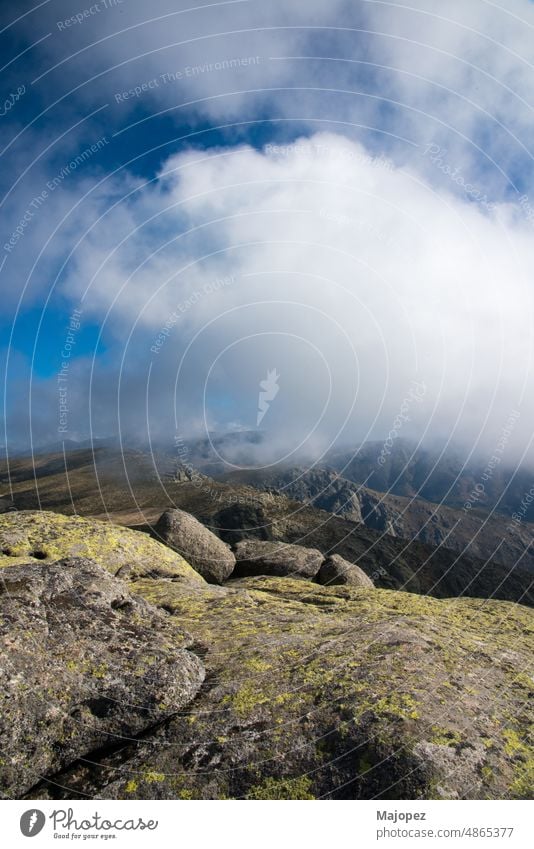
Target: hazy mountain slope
[476,533]
[417,471]
[126,489]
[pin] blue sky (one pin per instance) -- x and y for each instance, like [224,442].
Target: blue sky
[398,225]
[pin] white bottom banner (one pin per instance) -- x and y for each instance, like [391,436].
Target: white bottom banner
[242,825]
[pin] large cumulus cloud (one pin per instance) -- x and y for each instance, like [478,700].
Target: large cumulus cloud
[348,275]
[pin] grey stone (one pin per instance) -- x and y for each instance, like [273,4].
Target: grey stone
[338,571]
[84,665]
[204,551]
[255,557]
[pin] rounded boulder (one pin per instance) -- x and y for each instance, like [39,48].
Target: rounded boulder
[255,557]
[337,571]
[204,551]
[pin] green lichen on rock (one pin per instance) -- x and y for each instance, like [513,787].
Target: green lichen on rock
[282,788]
[43,536]
[446,736]
[521,750]
[75,672]
[365,693]
[310,691]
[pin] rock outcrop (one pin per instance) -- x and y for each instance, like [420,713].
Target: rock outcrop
[333,692]
[264,688]
[206,553]
[274,558]
[336,571]
[84,665]
[35,535]
[481,556]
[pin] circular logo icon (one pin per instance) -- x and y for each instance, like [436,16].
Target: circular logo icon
[32,822]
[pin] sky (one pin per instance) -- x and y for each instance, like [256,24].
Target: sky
[322,211]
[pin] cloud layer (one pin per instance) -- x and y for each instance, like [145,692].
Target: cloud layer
[351,277]
[378,236]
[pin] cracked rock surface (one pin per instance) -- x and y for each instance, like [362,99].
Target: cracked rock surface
[83,664]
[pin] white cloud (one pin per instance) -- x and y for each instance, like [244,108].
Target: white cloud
[460,73]
[348,275]
[394,272]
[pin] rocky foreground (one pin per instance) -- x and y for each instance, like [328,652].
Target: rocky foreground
[264,672]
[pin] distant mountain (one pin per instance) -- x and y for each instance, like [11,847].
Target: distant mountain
[481,535]
[411,471]
[406,469]
[60,446]
[130,489]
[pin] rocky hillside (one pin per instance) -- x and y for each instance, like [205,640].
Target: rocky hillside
[126,489]
[444,477]
[236,513]
[125,675]
[482,535]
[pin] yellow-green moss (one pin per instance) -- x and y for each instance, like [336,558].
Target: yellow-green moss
[53,536]
[521,752]
[246,699]
[282,788]
[185,794]
[153,777]
[445,736]
[486,773]
[256,664]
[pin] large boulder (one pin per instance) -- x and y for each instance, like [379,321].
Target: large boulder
[206,553]
[333,692]
[256,557]
[83,666]
[40,536]
[337,571]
